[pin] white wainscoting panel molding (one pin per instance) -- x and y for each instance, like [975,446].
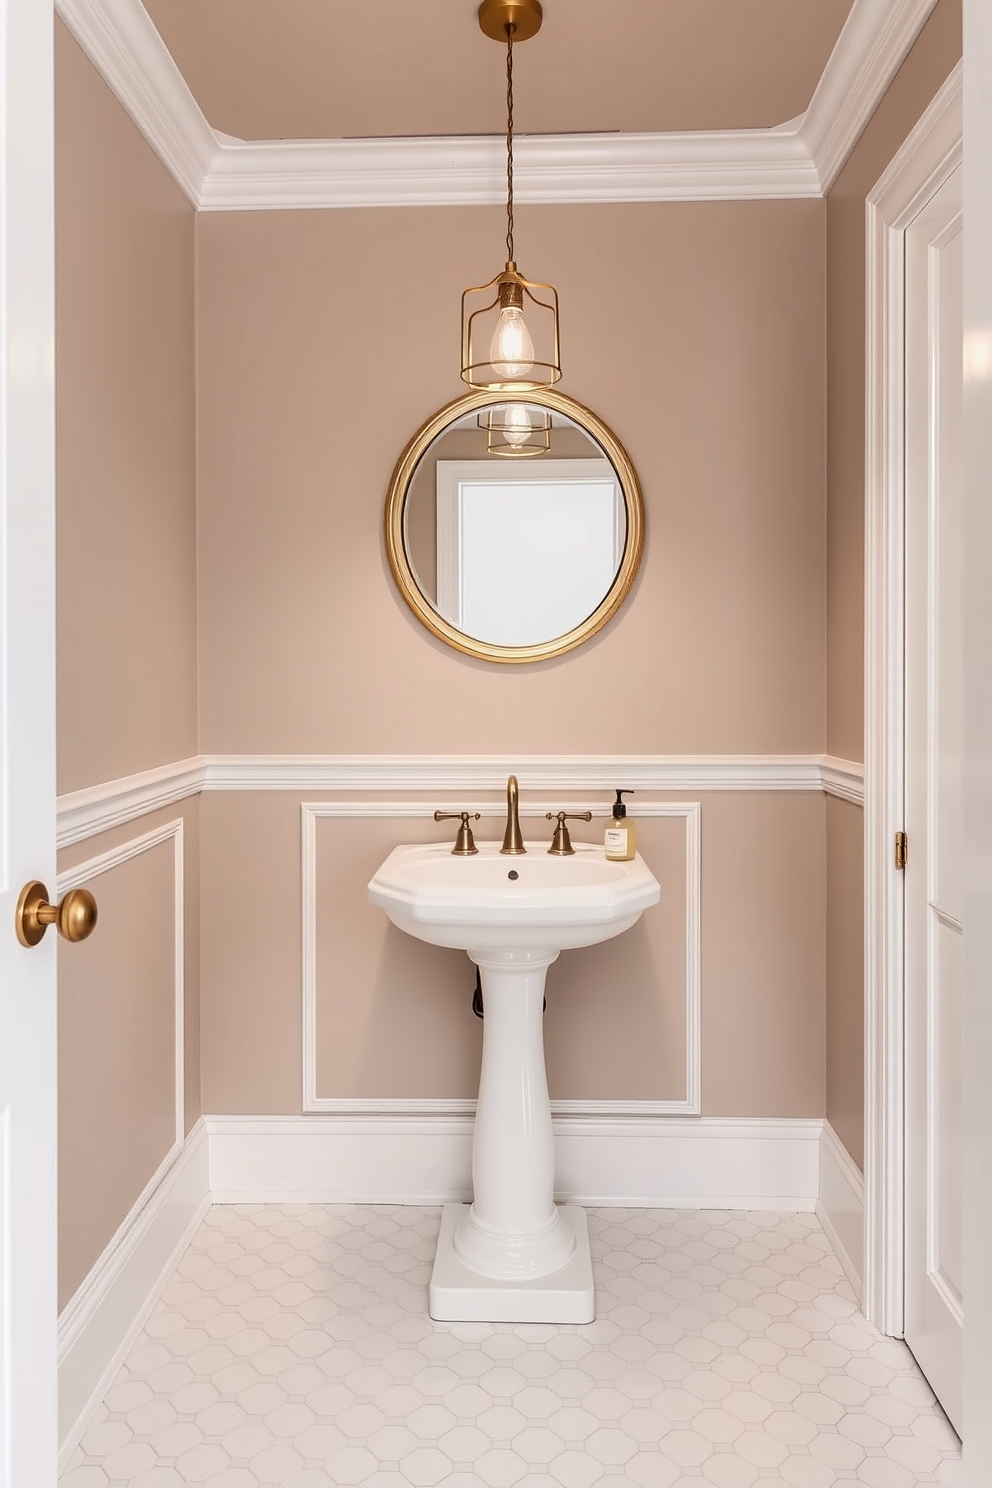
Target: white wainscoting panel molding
[87,813]
[844,779]
[840,1207]
[313,811]
[462,772]
[98,808]
[799,158]
[927,158]
[84,873]
[645,1161]
[101,1322]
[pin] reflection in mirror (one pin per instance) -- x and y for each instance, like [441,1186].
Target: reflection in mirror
[514,552]
[514,524]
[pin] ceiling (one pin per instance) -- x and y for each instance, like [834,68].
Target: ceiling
[338,69]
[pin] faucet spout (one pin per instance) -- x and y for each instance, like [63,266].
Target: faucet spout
[513,841]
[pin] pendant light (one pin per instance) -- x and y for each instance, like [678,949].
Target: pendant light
[509,332]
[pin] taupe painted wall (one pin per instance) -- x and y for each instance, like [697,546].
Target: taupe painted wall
[937,50]
[709,366]
[845,1060]
[326,338]
[126,641]
[125,441]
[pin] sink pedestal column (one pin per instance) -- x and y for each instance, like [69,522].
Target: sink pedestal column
[513,1255]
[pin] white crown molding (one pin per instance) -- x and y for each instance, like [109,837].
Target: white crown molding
[799,159]
[738,165]
[125,48]
[871,48]
[86,813]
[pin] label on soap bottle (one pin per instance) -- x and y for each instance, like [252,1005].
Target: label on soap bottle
[615,842]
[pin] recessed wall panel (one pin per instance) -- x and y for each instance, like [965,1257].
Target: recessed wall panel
[117,1060]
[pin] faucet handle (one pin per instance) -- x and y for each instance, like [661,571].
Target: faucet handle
[561,843]
[464,842]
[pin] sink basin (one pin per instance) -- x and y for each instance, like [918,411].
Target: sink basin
[532,903]
[513,1255]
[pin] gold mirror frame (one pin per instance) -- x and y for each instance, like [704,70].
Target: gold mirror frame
[396,505]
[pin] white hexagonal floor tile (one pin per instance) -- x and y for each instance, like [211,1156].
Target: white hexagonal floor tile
[292,1347]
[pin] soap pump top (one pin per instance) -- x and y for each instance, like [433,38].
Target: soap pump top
[619,805]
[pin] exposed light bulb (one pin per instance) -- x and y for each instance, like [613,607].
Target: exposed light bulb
[511,351]
[517,427]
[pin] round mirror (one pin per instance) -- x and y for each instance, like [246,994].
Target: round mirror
[514,524]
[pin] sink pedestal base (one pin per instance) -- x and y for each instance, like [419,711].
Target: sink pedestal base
[460,1295]
[513,1255]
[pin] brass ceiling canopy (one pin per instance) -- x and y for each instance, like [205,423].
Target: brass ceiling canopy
[501,351]
[525,16]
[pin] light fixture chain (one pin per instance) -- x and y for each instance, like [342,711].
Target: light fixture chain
[509,142]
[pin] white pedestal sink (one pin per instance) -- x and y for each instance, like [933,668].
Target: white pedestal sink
[512,1255]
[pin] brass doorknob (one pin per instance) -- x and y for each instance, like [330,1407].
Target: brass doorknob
[74,918]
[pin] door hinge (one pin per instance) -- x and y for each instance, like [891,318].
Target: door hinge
[902,849]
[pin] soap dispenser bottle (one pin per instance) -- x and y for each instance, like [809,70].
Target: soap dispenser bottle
[620,842]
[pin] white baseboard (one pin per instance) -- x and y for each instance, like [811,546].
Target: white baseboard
[100,1323]
[643,1161]
[840,1207]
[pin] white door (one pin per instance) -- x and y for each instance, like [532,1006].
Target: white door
[934,911]
[27,748]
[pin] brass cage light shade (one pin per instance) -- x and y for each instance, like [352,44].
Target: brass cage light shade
[510,337]
[516,430]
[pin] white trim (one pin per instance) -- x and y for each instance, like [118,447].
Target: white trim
[87,813]
[871,48]
[926,159]
[844,779]
[312,811]
[125,48]
[99,1325]
[798,159]
[438,772]
[98,808]
[426,1158]
[840,1206]
[84,873]
[735,165]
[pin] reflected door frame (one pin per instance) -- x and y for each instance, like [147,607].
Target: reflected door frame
[453,476]
[926,160]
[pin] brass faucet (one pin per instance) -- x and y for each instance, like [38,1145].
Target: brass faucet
[513,841]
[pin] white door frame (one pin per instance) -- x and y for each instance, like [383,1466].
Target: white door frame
[927,158]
